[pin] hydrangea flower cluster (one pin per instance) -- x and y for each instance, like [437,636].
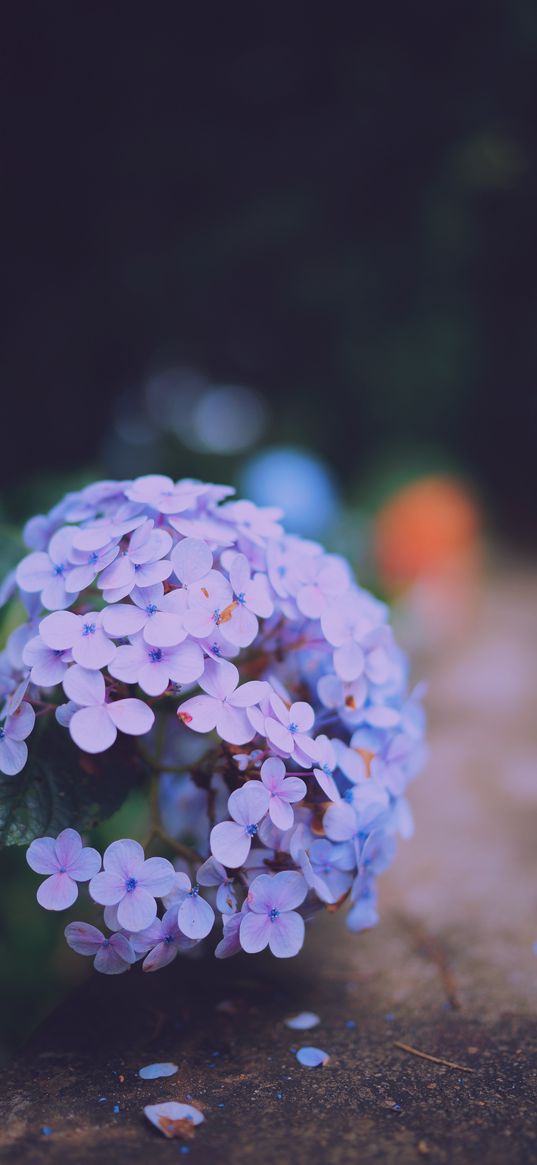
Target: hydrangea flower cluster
[270,702]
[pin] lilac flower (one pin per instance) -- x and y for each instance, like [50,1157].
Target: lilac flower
[162,494]
[347,698]
[83,634]
[167,628]
[13,732]
[363,913]
[48,666]
[142,564]
[132,883]
[94,725]
[355,811]
[212,873]
[325,577]
[124,619]
[85,565]
[163,940]
[230,944]
[153,667]
[45,572]
[256,523]
[195,916]
[210,603]
[223,707]
[286,728]
[112,955]
[272,918]
[66,861]
[354,627]
[252,598]
[231,840]
[192,560]
[333,866]
[283,790]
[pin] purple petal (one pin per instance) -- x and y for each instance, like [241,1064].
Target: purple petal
[230,943]
[293,789]
[13,756]
[255,932]
[303,1021]
[199,713]
[156,1071]
[185,663]
[280,813]
[312,1057]
[123,857]
[137,909]
[131,716]
[60,630]
[279,735]
[241,629]
[94,650]
[123,619]
[57,892]
[220,678]
[83,686]
[114,956]
[273,773]
[86,866]
[233,725]
[302,715]
[288,890]
[157,875]
[286,935]
[340,822]
[249,694]
[165,629]
[248,805]
[34,572]
[230,844]
[191,560]
[211,873]
[83,938]
[92,729]
[349,661]
[41,856]
[19,724]
[195,917]
[160,955]
[68,848]
[108,888]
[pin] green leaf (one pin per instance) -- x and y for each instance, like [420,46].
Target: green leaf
[61,786]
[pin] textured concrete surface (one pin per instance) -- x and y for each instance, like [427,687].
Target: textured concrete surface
[450,972]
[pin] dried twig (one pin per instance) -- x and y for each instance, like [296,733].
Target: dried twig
[433,1059]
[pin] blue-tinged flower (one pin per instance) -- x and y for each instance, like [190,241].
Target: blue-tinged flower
[272,919]
[66,862]
[284,791]
[112,956]
[231,840]
[14,730]
[93,721]
[131,882]
[45,572]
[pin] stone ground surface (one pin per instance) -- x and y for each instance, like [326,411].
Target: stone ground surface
[450,971]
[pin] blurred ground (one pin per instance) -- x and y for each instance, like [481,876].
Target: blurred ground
[450,971]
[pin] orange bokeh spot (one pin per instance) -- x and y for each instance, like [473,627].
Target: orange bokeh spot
[425,530]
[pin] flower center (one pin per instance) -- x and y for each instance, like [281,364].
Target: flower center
[155,655]
[93,558]
[89,629]
[59,568]
[241,598]
[169,939]
[347,796]
[293,727]
[2,733]
[327,770]
[274,914]
[130,885]
[194,890]
[251,830]
[151,609]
